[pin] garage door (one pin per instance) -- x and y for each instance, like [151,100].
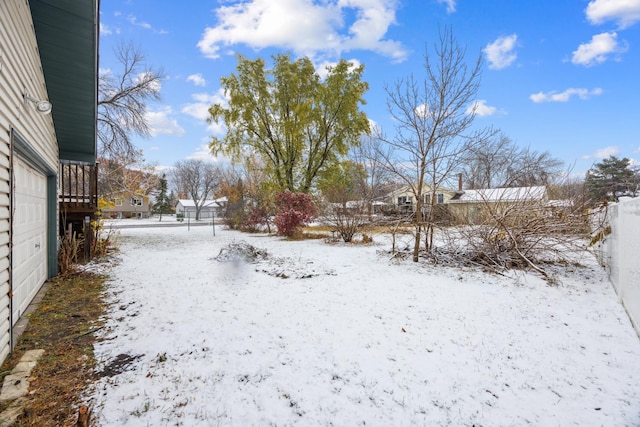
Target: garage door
[29,258]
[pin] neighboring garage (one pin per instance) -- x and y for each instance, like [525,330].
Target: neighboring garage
[29,255]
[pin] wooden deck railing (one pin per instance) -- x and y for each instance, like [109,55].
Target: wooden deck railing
[78,188]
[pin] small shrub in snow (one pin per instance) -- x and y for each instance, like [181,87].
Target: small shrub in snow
[258,219]
[294,211]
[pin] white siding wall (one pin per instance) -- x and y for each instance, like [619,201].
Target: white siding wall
[20,68]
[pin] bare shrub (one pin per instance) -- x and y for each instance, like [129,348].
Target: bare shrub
[520,233]
[348,219]
[68,251]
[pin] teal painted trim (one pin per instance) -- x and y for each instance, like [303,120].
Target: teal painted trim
[52,226]
[25,151]
[75,157]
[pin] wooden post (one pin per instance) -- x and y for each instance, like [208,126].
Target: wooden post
[84,416]
[87,238]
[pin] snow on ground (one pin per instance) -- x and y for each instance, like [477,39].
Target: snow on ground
[319,334]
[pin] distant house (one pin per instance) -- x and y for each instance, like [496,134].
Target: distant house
[471,206]
[128,206]
[404,199]
[211,208]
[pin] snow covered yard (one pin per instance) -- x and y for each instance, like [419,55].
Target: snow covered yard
[318,334]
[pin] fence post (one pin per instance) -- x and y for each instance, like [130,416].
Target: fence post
[87,238]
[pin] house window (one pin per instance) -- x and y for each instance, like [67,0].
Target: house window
[136,201]
[440,198]
[117,202]
[426,199]
[403,200]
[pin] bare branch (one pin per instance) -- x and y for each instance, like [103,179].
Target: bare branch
[122,102]
[431,120]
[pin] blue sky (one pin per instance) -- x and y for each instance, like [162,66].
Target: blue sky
[559,75]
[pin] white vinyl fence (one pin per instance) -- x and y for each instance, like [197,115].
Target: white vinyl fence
[621,254]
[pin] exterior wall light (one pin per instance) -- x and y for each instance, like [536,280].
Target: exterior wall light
[43,107]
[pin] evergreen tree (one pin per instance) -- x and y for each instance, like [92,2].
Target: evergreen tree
[610,179]
[163,202]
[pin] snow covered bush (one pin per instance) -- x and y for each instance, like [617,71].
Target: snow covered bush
[294,211]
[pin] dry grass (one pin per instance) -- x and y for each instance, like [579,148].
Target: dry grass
[63,326]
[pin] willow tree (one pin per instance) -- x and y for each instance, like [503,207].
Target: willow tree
[296,122]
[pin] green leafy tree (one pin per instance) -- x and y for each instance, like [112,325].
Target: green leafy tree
[610,179]
[163,202]
[343,182]
[296,123]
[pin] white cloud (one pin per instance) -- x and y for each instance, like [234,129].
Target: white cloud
[422,111]
[482,109]
[204,153]
[160,122]
[322,71]
[565,96]
[154,85]
[197,79]
[603,153]
[200,108]
[104,30]
[134,20]
[307,27]
[597,50]
[500,53]
[217,128]
[624,12]
[451,5]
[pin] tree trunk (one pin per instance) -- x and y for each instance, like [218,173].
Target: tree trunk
[84,416]
[416,246]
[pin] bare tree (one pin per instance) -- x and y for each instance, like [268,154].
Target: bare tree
[535,168]
[125,176]
[499,162]
[487,163]
[197,180]
[370,154]
[122,102]
[431,123]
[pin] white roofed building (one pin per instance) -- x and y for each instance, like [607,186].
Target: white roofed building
[470,206]
[209,209]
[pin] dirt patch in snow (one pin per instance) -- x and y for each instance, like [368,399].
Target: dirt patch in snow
[118,365]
